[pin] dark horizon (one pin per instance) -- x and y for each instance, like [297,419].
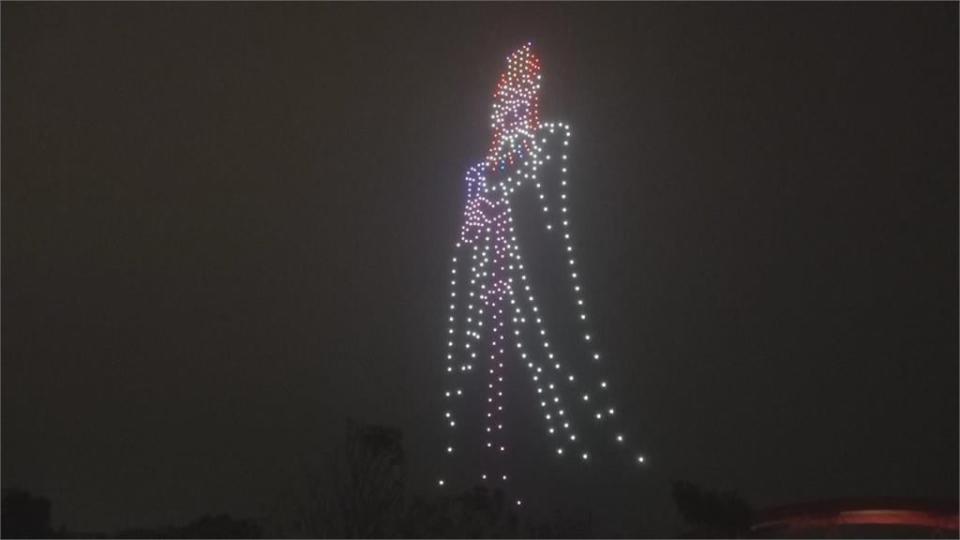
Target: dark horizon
[226,229]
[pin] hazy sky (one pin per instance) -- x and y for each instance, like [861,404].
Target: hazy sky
[225,229]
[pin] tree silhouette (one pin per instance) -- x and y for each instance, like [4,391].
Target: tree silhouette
[359,491]
[712,514]
[25,515]
[207,526]
[475,513]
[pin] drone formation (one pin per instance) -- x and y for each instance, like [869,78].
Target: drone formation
[494,320]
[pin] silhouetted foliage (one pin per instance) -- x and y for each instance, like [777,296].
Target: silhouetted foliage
[712,514]
[219,526]
[564,525]
[476,513]
[361,493]
[358,494]
[25,515]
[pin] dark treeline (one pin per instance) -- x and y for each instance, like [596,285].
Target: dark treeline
[28,516]
[361,493]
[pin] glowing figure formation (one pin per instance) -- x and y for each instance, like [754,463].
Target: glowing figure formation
[493,315]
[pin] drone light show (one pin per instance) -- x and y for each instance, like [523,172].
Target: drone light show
[494,320]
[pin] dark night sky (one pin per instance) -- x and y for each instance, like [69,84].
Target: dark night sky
[226,227]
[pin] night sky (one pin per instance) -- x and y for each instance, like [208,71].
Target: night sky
[226,228]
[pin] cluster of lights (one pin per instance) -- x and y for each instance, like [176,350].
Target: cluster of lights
[499,304]
[516,109]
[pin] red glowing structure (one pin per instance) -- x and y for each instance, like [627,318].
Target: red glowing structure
[859,518]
